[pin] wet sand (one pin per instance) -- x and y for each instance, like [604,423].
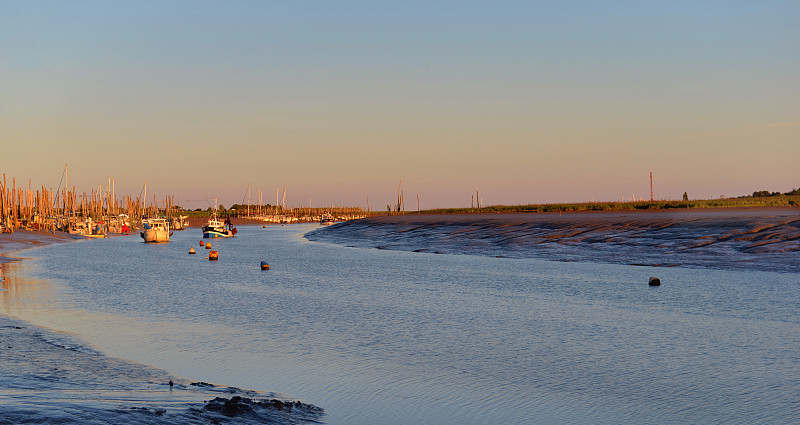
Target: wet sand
[757,238]
[52,377]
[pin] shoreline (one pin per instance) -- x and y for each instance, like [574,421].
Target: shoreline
[51,376]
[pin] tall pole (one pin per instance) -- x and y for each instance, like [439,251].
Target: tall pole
[66,185]
[651,186]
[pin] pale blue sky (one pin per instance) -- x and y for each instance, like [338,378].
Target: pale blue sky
[525,101]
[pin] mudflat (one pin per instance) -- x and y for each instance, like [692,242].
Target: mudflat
[756,238]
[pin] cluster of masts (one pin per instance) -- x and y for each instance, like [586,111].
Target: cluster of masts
[68,210]
[280,213]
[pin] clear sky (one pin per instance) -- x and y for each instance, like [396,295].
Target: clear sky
[526,102]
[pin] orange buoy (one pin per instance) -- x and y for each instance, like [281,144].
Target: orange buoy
[264,265]
[191,250]
[208,246]
[202,243]
[213,256]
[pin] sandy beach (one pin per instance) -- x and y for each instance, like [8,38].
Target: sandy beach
[52,377]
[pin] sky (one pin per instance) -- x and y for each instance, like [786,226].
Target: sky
[339,102]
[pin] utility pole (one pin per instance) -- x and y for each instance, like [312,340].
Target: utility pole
[651,186]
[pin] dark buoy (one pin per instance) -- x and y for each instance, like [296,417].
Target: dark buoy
[654,281]
[213,256]
[191,250]
[171,383]
[264,265]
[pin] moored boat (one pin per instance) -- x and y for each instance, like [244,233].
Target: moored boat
[326,219]
[216,228]
[179,223]
[155,230]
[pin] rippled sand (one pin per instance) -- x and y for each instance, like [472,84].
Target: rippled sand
[759,239]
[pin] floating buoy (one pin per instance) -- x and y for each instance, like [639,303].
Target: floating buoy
[208,246]
[264,226]
[213,256]
[202,243]
[264,265]
[191,250]
[654,281]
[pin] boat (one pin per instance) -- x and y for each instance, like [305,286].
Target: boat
[179,223]
[96,231]
[218,229]
[326,219]
[155,230]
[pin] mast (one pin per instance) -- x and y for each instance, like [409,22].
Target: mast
[66,185]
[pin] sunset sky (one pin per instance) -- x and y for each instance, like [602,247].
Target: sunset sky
[524,101]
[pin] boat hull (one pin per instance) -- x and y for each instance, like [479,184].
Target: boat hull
[210,233]
[155,235]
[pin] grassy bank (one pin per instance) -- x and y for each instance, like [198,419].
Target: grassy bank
[767,201]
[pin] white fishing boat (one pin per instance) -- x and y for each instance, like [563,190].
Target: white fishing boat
[155,230]
[326,219]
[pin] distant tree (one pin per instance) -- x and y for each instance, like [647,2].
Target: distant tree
[794,192]
[685,196]
[761,194]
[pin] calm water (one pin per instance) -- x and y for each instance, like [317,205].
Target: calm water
[384,337]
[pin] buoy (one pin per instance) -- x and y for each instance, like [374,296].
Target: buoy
[191,250]
[654,281]
[202,243]
[264,265]
[213,256]
[208,246]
